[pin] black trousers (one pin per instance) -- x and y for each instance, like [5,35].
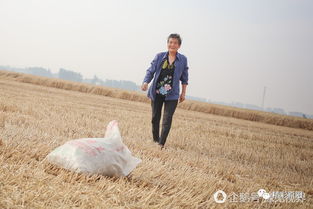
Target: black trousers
[169,109]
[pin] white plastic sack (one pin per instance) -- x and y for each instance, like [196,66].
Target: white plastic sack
[107,156]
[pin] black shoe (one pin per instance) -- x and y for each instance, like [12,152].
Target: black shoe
[161,146]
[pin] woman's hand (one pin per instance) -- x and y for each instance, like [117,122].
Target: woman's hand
[182,98]
[144,86]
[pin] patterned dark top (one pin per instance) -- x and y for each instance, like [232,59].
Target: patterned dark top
[165,80]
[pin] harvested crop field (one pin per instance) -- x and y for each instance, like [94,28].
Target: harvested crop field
[204,153]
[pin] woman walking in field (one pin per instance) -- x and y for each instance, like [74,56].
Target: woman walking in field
[167,69]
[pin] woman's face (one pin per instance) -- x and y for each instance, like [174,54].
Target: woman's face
[173,45]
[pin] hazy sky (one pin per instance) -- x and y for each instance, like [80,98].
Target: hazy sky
[234,48]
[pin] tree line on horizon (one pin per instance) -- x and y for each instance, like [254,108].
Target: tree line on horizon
[74,76]
[129,85]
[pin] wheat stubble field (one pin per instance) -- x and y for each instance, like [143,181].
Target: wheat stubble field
[204,153]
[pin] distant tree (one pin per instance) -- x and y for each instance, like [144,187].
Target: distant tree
[97,81]
[121,84]
[40,71]
[70,75]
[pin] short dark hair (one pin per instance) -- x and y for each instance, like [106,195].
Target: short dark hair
[175,35]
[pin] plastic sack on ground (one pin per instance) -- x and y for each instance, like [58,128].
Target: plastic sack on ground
[107,156]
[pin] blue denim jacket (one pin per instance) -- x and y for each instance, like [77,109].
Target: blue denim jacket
[180,74]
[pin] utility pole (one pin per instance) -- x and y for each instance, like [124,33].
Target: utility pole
[263,97]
